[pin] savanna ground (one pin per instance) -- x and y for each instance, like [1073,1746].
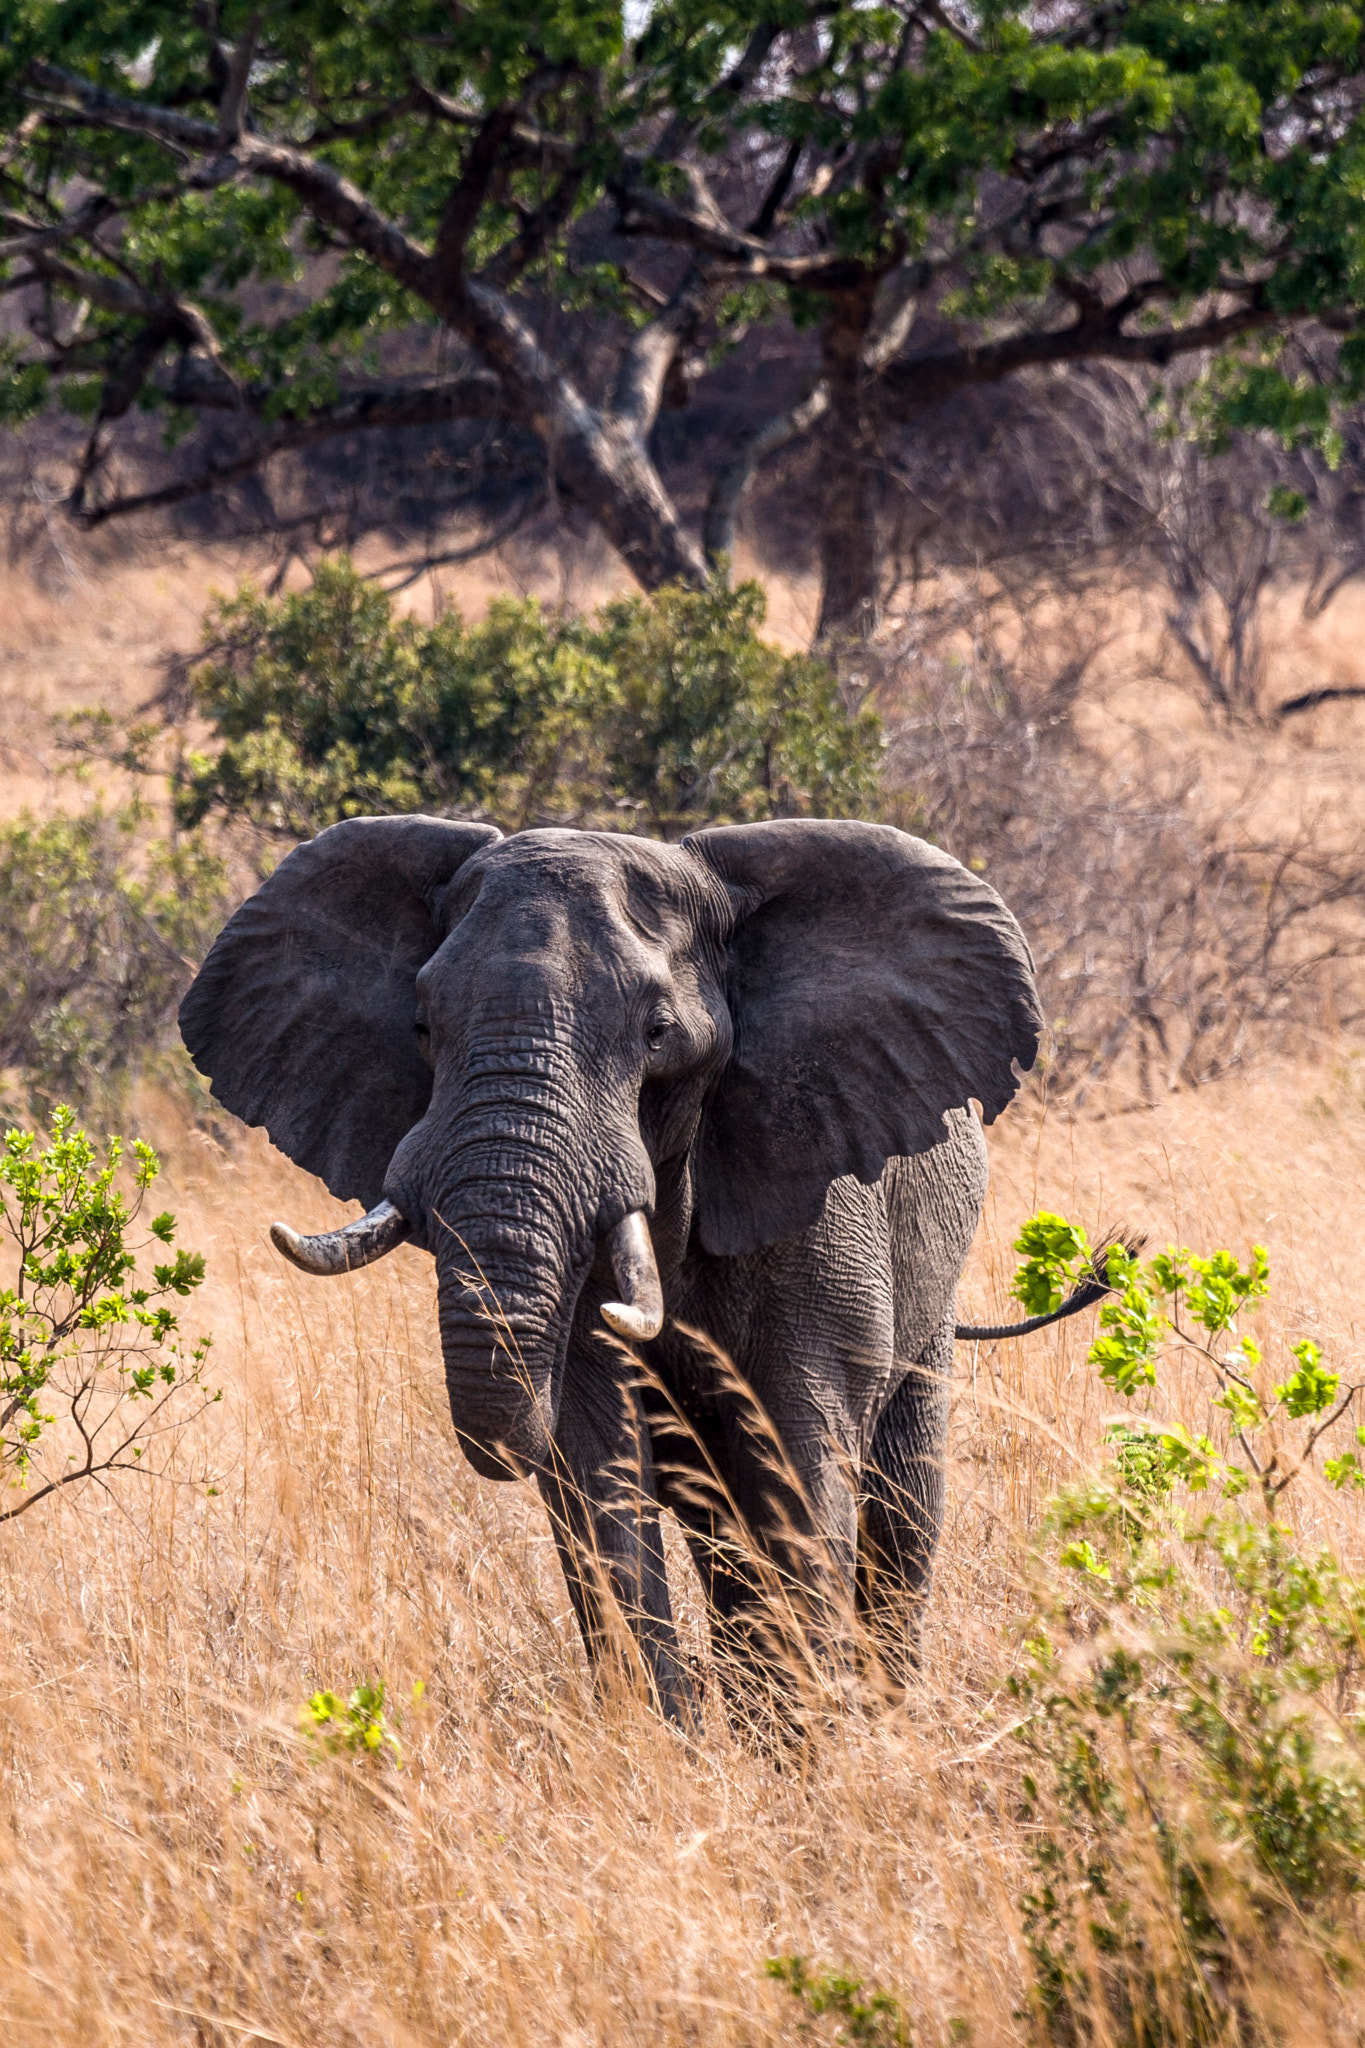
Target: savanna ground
[176,1864]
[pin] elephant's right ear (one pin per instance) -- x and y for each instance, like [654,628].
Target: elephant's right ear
[303,1014]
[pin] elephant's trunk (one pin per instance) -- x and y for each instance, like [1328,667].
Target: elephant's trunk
[510,1181]
[514,1224]
[507,1281]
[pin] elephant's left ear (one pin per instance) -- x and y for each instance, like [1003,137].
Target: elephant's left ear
[873,985]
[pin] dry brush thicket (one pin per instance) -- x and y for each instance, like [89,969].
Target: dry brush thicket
[1187,895]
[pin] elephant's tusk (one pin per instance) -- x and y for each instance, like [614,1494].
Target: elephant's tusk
[639,1314]
[342,1251]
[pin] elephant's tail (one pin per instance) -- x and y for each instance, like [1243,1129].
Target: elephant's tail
[1092,1289]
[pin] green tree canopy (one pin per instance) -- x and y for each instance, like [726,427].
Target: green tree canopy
[1051,183]
[663,714]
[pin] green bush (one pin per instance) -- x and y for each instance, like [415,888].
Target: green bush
[664,712]
[357,1726]
[94,1373]
[96,922]
[870,2019]
[1191,1702]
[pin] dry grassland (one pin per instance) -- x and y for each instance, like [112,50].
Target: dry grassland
[546,1867]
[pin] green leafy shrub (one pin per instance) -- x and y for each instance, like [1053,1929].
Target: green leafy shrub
[95,925]
[1192,1706]
[871,2019]
[668,711]
[703,719]
[93,1369]
[357,1726]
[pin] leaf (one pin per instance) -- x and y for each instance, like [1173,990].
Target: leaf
[1311,1389]
[184,1275]
[1051,1251]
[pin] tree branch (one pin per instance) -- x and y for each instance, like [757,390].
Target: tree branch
[161,124]
[232,106]
[700,226]
[763,221]
[732,480]
[126,296]
[1309,701]
[914,385]
[735,83]
[895,317]
[369,124]
[538,231]
[333,198]
[477,395]
[601,461]
[470,190]
[652,349]
[32,239]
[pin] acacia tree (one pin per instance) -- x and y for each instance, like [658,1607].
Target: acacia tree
[946,191]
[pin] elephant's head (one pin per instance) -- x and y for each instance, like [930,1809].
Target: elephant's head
[514,1051]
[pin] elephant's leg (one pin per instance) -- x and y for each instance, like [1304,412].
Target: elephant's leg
[772,1536]
[901,1509]
[601,1495]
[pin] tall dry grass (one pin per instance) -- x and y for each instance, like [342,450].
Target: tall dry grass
[547,1865]
[176,1864]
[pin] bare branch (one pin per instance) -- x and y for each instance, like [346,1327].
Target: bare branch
[476,395]
[732,480]
[232,106]
[1310,699]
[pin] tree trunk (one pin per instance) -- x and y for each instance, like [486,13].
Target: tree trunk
[850,469]
[600,459]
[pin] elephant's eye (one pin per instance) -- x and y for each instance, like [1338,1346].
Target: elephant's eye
[657,1033]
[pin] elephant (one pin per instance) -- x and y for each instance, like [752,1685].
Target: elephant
[688,1131]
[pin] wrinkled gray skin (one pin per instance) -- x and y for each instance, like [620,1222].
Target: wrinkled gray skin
[765,1039]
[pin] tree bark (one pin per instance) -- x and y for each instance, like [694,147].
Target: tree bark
[850,468]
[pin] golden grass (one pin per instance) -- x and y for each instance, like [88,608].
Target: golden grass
[547,1866]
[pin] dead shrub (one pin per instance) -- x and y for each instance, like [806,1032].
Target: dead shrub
[1171,927]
